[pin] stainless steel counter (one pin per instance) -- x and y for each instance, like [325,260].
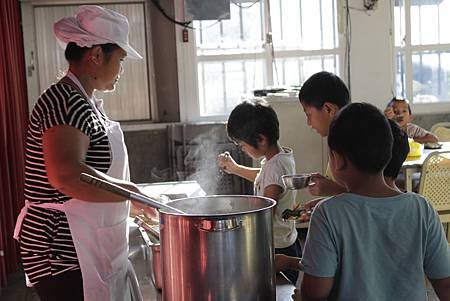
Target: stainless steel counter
[139,260]
[173,190]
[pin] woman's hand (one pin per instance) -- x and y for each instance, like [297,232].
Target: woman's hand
[227,163]
[141,209]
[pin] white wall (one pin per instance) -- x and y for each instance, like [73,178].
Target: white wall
[372,57]
[29,42]
[372,70]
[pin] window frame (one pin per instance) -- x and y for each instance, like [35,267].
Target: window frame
[407,50]
[188,64]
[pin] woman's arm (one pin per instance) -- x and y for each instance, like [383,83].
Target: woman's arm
[65,149]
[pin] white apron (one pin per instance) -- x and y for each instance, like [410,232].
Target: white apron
[99,230]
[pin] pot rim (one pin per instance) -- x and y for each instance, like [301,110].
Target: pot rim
[219,215]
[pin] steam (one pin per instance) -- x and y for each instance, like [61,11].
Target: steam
[202,158]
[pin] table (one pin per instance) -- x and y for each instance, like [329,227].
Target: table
[414,164]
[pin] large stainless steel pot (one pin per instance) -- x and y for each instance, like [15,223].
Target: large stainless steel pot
[213,248]
[221,249]
[152,251]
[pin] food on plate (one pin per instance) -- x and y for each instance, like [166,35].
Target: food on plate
[296,214]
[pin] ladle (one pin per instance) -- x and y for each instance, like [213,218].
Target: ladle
[102,184]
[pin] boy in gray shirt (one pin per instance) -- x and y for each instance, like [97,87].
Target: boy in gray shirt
[373,242]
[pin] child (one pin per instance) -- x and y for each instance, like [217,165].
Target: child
[321,97]
[400,110]
[254,127]
[374,242]
[400,150]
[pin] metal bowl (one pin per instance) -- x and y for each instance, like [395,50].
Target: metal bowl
[299,181]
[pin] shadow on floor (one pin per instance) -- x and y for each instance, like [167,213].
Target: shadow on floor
[17,290]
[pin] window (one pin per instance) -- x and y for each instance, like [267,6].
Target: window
[422,46]
[131,100]
[235,56]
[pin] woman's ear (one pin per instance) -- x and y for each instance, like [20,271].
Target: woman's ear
[95,55]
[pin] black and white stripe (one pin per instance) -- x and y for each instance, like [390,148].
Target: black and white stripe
[46,244]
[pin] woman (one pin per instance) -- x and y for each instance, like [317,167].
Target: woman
[73,237]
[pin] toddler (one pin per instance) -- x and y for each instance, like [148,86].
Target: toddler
[399,110]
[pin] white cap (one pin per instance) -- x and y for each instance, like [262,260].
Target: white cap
[95,25]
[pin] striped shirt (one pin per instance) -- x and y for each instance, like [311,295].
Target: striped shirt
[46,245]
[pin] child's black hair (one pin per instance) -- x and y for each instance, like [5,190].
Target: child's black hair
[396,99]
[252,118]
[324,87]
[362,134]
[400,150]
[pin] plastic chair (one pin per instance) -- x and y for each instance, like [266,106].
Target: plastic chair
[441,130]
[435,183]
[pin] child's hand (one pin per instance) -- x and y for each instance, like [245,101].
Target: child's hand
[322,186]
[226,162]
[389,113]
[428,138]
[311,203]
[285,262]
[281,262]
